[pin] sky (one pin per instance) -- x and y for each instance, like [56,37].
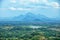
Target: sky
[13,8]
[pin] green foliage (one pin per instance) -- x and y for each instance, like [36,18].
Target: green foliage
[27,33]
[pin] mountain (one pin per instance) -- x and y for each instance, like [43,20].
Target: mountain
[29,19]
[32,18]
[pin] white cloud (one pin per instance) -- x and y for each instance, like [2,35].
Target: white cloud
[35,1]
[23,2]
[20,9]
[45,1]
[55,4]
[23,8]
[13,1]
[12,8]
[39,1]
[30,3]
[37,7]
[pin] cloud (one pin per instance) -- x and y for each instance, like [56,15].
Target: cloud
[12,8]
[55,4]
[35,1]
[23,2]
[39,1]
[13,1]
[50,4]
[45,1]
[32,3]
[21,9]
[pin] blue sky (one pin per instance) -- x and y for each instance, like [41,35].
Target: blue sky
[12,8]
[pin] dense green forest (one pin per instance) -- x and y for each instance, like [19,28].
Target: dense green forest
[31,32]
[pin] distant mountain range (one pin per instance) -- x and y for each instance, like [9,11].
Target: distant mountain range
[32,18]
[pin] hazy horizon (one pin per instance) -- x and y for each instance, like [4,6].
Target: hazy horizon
[14,8]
